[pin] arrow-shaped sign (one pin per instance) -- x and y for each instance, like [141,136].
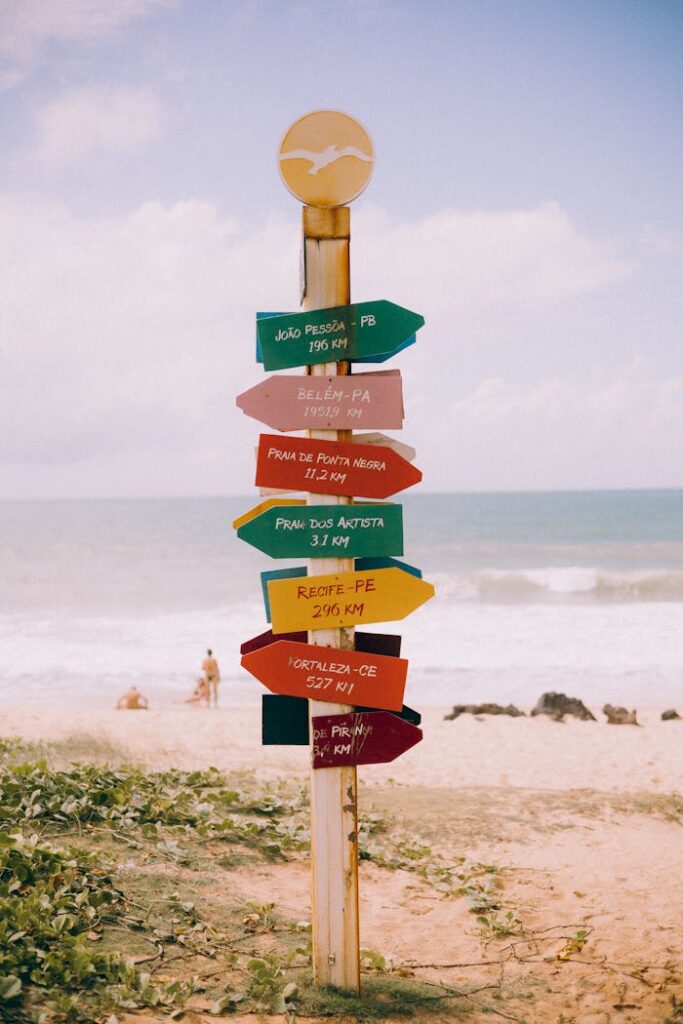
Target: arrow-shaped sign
[381,358]
[387,355]
[365,400]
[332,467]
[284,720]
[264,506]
[320,531]
[360,564]
[329,674]
[388,644]
[343,599]
[364,329]
[404,451]
[361,738]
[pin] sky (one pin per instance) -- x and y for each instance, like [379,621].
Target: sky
[527,200]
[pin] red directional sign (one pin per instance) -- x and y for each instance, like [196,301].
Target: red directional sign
[372,737]
[332,467]
[365,400]
[255,643]
[388,644]
[329,674]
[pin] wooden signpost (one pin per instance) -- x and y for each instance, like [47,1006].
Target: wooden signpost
[302,464]
[313,651]
[367,400]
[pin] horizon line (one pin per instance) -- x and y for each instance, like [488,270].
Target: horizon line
[403,494]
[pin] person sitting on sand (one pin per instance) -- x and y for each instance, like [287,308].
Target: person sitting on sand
[212,675]
[200,694]
[133,701]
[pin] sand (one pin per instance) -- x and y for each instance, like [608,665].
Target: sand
[585,821]
[489,751]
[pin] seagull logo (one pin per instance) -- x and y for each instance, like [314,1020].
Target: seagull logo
[328,156]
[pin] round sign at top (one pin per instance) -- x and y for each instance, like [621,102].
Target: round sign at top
[326,158]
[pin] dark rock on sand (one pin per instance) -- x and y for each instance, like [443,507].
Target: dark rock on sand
[557,705]
[619,716]
[483,709]
[670,715]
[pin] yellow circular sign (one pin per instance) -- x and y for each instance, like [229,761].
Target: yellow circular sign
[326,158]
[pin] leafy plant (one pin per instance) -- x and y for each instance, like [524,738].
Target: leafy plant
[574,944]
[265,978]
[128,798]
[51,902]
[497,926]
[677,1017]
[371,960]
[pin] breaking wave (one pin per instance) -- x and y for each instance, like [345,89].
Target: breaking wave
[562,584]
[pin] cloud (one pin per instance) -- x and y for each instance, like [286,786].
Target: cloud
[26,26]
[85,122]
[616,428]
[126,339]
[466,260]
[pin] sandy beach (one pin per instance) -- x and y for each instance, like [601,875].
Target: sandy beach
[525,753]
[583,820]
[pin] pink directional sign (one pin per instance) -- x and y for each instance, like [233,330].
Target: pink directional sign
[364,400]
[373,737]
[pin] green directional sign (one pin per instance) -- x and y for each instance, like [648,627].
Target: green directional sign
[326,531]
[365,329]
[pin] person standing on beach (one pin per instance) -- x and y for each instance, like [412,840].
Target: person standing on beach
[212,675]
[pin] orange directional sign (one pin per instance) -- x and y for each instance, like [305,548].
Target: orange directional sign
[264,506]
[373,737]
[367,400]
[329,674]
[332,467]
[344,599]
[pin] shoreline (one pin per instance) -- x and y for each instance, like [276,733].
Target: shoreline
[469,752]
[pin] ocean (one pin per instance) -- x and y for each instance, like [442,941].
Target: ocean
[580,592]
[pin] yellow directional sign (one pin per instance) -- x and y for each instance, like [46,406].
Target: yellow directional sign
[344,599]
[326,158]
[263,507]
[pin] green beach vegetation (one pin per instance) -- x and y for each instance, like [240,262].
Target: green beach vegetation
[170,895]
[111,898]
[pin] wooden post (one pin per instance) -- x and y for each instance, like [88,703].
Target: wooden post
[334,811]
